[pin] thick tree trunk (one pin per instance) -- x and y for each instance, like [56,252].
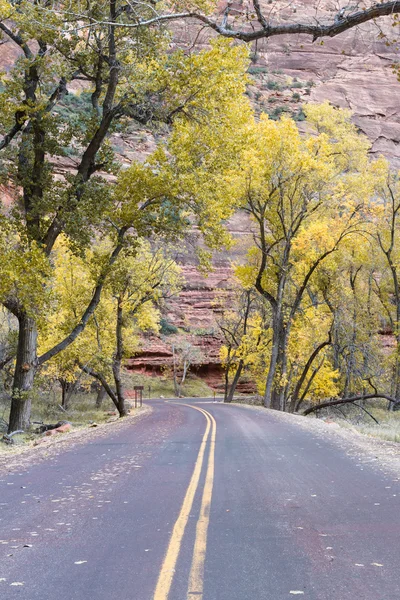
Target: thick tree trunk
[226,380]
[24,374]
[65,395]
[273,396]
[268,396]
[235,381]
[118,361]
[282,368]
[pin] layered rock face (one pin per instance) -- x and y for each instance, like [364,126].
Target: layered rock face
[353,70]
[195,312]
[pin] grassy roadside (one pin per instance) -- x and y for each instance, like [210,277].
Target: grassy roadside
[388,428]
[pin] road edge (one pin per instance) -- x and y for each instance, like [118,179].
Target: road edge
[25,456]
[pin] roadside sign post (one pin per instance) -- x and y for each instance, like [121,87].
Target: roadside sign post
[138,395]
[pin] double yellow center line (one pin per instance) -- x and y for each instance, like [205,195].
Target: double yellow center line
[196,576]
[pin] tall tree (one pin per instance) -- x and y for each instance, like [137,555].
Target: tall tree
[305,198]
[386,279]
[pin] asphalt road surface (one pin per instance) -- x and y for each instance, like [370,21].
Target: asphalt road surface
[201,502]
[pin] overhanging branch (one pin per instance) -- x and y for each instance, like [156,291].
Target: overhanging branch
[338,24]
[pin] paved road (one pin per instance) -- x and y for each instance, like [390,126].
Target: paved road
[201,502]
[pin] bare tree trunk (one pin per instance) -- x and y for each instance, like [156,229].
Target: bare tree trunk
[24,374]
[268,396]
[101,394]
[235,381]
[226,375]
[116,367]
[282,385]
[65,396]
[272,397]
[176,386]
[186,366]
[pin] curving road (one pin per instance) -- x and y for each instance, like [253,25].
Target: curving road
[201,501]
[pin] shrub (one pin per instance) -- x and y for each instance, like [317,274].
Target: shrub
[167,328]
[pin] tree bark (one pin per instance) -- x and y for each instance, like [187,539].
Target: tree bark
[272,396]
[101,394]
[116,367]
[268,396]
[65,388]
[176,386]
[25,369]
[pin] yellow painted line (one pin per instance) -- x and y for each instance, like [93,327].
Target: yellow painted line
[168,567]
[196,577]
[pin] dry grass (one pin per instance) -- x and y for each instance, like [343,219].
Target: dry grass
[352,417]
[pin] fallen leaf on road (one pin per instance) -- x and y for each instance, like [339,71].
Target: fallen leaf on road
[296,592]
[17,583]
[376,565]
[359,565]
[80,562]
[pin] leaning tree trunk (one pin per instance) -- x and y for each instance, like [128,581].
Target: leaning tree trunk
[25,368]
[235,381]
[118,361]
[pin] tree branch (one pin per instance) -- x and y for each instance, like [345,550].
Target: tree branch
[340,23]
[348,401]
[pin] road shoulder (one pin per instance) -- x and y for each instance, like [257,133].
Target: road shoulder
[15,458]
[368,450]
